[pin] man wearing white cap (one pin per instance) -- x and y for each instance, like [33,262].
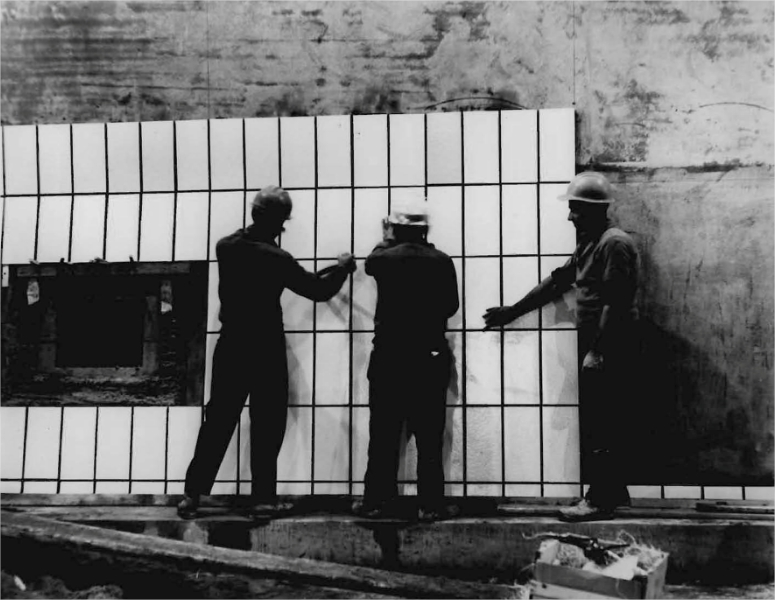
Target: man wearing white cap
[250,356]
[410,362]
[604,271]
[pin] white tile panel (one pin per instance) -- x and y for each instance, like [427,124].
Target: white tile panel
[482,220]
[683,491]
[295,460]
[402,196]
[76,487]
[300,367]
[226,154]
[362,346]
[54,158]
[335,313]
[332,373]
[520,275]
[244,451]
[483,444]
[519,139]
[42,442]
[191,221]
[294,488]
[557,144]
[112,487]
[334,222]
[485,489]
[227,471]
[184,423]
[516,490]
[561,444]
[760,493]
[298,312]
[158,216]
[297,152]
[54,228]
[445,214]
[299,235]
[89,169]
[444,148]
[559,355]
[364,299]
[262,156]
[20,223]
[520,367]
[370,207]
[78,439]
[122,227]
[149,441]
[146,487]
[40,487]
[158,157]
[360,446]
[123,157]
[88,228]
[453,445]
[334,165]
[522,427]
[645,491]
[558,236]
[12,423]
[213,302]
[332,444]
[192,159]
[21,161]
[210,343]
[520,218]
[332,488]
[561,490]
[226,216]
[407,149]
[483,368]
[562,312]
[370,149]
[407,463]
[224,488]
[482,284]
[456,321]
[481,153]
[113,442]
[175,487]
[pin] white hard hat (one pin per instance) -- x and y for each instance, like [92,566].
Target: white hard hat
[412,213]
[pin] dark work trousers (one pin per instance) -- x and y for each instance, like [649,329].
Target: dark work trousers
[604,413]
[407,386]
[243,366]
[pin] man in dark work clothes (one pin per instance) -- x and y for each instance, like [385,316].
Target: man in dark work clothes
[250,356]
[604,271]
[410,363]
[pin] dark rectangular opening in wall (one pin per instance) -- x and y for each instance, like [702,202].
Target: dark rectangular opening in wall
[104,334]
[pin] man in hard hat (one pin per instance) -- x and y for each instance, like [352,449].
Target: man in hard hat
[410,364]
[604,271]
[250,355]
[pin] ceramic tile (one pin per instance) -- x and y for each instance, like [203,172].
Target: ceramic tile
[89,169]
[407,149]
[520,367]
[482,289]
[360,444]
[12,424]
[455,387]
[364,300]
[520,218]
[334,222]
[331,444]
[158,157]
[522,427]
[295,460]
[147,487]
[520,275]
[113,442]
[174,487]
[332,372]
[483,368]
[683,491]
[299,235]
[482,220]
[226,160]
[330,488]
[228,468]
[112,487]
[192,160]
[76,487]
[213,303]
[561,490]
[191,219]
[445,215]
[122,227]
[297,152]
[407,461]
[54,159]
[481,152]
[210,343]
[645,491]
[40,487]
[483,444]
[559,356]
[334,164]
[157,222]
[42,443]
[562,312]
[516,490]
[370,207]
[519,139]
[262,155]
[335,313]
[149,442]
[370,150]
[454,489]
[561,443]
[294,488]
[362,346]
[453,445]
[298,311]
[300,367]
[456,321]
[123,157]
[444,148]
[88,228]
[224,488]
[20,222]
[226,216]
[558,236]
[557,144]
[21,161]
[54,228]
[760,493]
[184,423]
[78,439]
[485,490]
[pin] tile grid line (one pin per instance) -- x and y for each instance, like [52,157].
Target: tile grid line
[96,446]
[142,187]
[540,312]
[37,191]
[501,333]
[107,196]
[244,216]
[463,368]
[314,314]
[72,196]
[350,397]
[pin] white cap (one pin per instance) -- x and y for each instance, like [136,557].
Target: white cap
[412,213]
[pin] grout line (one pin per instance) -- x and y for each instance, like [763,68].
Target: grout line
[540,310]
[502,333]
[175,183]
[96,446]
[24,445]
[131,444]
[72,197]
[352,300]
[166,447]
[314,317]
[107,196]
[244,179]
[464,363]
[59,458]
[209,192]
[142,188]
[37,191]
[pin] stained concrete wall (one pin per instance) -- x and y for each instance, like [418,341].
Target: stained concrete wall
[674,100]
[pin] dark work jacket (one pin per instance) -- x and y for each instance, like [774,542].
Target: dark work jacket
[253,272]
[416,294]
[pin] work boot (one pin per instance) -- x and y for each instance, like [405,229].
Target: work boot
[188,507]
[586,511]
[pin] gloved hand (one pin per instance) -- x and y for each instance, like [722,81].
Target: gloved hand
[498,316]
[348,261]
[593,361]
[387,231]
